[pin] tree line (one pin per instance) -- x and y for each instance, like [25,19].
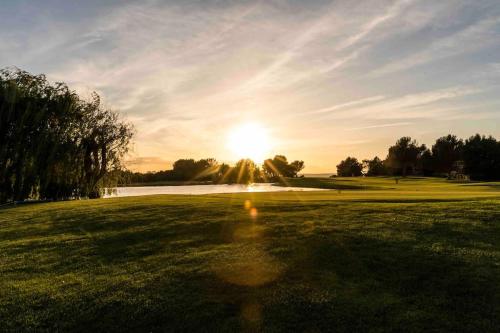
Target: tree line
[245,171]
[56,145]
[478,157]
[53,143]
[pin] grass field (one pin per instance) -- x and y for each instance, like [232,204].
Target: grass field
[420,255]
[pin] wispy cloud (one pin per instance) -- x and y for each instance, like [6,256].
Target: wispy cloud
[319,30]
[185,72]
[392,12]
[471,39]
[495,67]
[148,163]
[348,104]
[406,106]
[379,126]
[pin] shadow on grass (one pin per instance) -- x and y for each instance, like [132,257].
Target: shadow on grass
[353,283]
[341,282]
[312,266]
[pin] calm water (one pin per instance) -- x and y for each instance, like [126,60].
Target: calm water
[202,189]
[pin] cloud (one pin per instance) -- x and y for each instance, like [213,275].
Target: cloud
[280,73]
[406,106]
[380,126]
[428,97]
[392,12]
[495,67]
[186,72]
[470,39]
[147,163]
[348,104]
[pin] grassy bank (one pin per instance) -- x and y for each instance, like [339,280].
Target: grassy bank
[419,255]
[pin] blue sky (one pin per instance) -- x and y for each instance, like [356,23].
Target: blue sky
[326,78]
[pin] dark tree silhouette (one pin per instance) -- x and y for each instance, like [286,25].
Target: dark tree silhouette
[404,155]
[206,170]
[446,152]
[245,172]
[425,163]
[375,167]
[350,167]
[481,157]
[278,167]
[53,144]
[296,167]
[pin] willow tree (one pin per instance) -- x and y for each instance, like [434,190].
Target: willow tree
[54,144]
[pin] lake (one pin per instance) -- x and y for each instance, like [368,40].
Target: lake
[202,189]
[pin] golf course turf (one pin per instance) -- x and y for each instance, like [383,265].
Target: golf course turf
[416,255]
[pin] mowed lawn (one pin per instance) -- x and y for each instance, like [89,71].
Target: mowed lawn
[420,255]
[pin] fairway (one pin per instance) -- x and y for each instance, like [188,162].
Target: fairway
[376,255]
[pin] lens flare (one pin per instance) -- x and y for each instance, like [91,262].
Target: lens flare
[248,204]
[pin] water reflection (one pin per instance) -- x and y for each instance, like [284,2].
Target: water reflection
[201,189]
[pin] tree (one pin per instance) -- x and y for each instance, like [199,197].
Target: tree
[184,169]
[209,168]
[244,172]
[375,167]
[222,173]
[296,167]
[105,140]
[426,163]
[446,152]
[404,155]
[190,170]
[350,167]
[481,157]
[53,144]
[278,167]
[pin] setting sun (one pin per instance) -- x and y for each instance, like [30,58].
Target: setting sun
[251,141]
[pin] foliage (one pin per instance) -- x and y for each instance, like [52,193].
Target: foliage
[183,170]
[481,156]
[244,172]
[478,157]
[350,167]
[404,155]
[189,171]
[278,167]
[375,167]
[446,152]
[53,144]
[426,163]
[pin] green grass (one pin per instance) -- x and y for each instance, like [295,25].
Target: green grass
[325,183]
[421,255]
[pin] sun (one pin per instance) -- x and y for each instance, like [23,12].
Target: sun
[250,140]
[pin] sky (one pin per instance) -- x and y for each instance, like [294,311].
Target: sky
[326,79]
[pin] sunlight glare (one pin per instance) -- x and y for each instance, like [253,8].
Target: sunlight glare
[251,141]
